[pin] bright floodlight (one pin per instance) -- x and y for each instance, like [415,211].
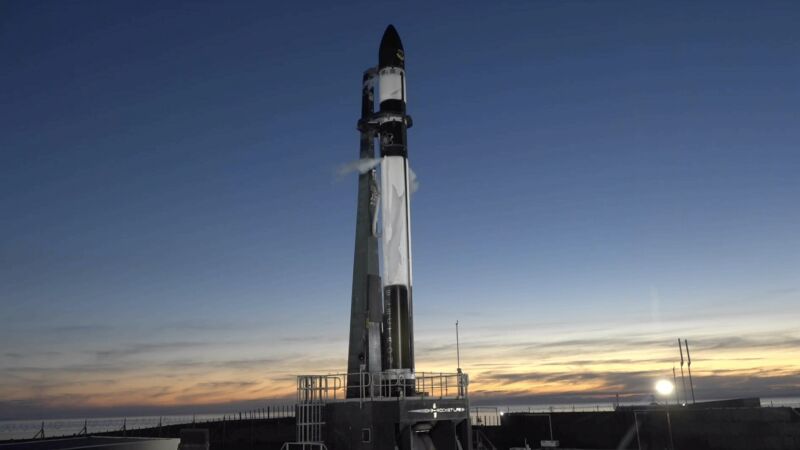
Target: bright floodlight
[664,387]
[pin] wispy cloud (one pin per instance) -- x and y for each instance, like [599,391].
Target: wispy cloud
[81,329]
[227,384]
[557,387]
[504,366]
[143,348]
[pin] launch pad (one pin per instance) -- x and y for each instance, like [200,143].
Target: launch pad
[437,417]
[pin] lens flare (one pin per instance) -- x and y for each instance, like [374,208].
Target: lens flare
[664,387]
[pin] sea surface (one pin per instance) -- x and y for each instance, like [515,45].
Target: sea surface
[26,429]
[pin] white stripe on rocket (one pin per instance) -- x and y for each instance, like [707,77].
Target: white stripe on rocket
[395,218]
[391,84]
[408,223]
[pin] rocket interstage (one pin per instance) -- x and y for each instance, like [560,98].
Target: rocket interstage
[395,206]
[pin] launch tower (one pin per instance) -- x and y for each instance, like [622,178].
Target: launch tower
[382,402]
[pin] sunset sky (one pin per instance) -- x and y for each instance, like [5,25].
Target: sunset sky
[597,179]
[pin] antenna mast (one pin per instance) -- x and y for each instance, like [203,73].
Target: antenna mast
[683,378]
[675,383]
[458,349]
[689,358]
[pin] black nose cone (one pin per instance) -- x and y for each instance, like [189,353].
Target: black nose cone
[391,52]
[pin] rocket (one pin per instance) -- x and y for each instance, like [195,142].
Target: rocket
[381,325]
[381,349]
[395,206]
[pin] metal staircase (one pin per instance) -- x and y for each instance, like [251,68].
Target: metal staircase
[312,393]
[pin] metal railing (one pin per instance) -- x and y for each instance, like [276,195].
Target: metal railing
[381,385]
[303,446]
[314,391]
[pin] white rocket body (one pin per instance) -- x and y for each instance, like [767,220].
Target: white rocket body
[393,122]
[396,219]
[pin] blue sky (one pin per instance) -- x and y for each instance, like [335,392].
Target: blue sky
[595,171]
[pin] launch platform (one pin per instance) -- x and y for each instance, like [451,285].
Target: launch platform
[436,416]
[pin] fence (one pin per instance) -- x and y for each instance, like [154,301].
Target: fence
[29,429]
[381,385]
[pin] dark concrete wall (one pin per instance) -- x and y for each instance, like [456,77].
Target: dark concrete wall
[708,429]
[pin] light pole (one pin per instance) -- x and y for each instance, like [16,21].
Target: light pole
[461,391]
[458,351]
[665,387]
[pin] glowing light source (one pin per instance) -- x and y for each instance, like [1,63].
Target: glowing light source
[664,387]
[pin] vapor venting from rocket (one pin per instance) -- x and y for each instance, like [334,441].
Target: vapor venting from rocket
[413,181]
[361,166]
[364,165]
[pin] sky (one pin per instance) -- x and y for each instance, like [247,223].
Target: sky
[596,179]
